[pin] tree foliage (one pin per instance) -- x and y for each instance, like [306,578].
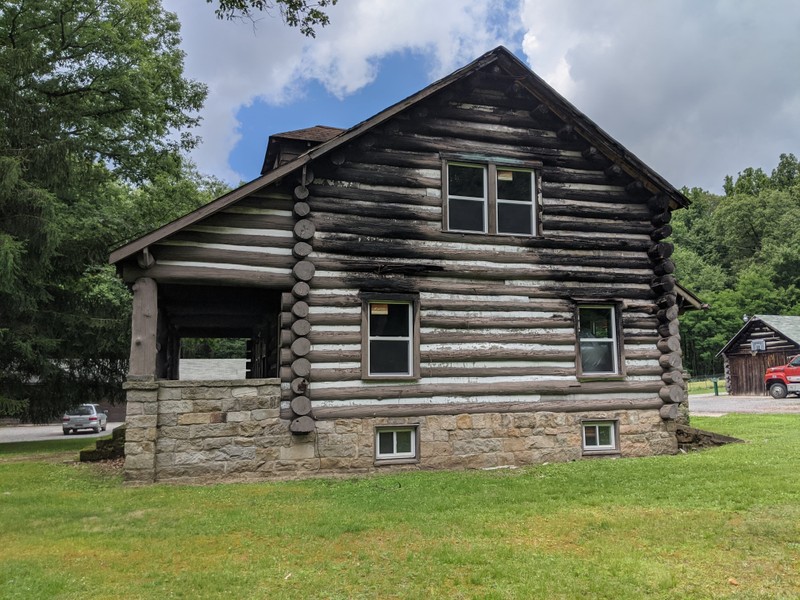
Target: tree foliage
[741,254]
[295,13]
[94,118]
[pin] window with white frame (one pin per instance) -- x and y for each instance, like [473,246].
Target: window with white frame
[599,436]
[390,338]
[597,340]
[395,443]
[490,198]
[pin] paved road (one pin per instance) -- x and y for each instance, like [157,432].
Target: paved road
[713,406]
[38,433]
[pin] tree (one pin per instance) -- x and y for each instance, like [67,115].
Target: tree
[295,13]
[94,101]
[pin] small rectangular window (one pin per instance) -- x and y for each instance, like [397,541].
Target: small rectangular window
[599,436]
[514,202]
[390,338]
[393,443]
[597,340]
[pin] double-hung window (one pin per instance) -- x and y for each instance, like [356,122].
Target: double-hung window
[600,436]
[598,340]
[490,198]
[390,334]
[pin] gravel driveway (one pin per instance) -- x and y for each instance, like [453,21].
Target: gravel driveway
[708,405]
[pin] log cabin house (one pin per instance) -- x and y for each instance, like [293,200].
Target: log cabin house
[474,277]
[765,341]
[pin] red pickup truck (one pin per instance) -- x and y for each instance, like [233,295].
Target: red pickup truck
[784,380]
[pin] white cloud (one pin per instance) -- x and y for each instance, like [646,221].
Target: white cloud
[696,89]
[242,62]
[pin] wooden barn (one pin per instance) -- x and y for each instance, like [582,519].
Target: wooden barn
[474,277]
[765,341]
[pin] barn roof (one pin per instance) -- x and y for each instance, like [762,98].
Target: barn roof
[506,60]
[786,326]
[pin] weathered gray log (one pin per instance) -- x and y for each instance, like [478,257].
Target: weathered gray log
[300,192]
[671,393]
[304,270]
[416,390]
[287,301]
[306,175]
[209,275]
[144,259]
[300,405]
[301,327]
[144,327]
[670,344]
[285,320]
[669,329]
[301,209]
[299,385]
[301,347]
[302,425]
[217,255]
[299,309]
[665,267]
[304,230]
[301,367]
[668,314]
[673,378]
[613,172]
[669,412]
[301,250]
[545,405]
[671,361]
[300,289]
[287,337]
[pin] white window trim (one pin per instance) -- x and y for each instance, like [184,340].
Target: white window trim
[409,339]
[613,339]
[612,447]
[412,455]
[484,200]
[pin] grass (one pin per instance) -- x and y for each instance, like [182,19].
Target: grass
[717,524]
[705,386]
[47,447]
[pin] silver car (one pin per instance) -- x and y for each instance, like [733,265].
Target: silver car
[85,416]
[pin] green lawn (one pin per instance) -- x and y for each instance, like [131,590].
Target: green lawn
[721,523]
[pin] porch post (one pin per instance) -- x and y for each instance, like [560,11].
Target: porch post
[144,329]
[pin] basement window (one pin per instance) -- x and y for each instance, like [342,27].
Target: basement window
[396,444]
[489,198]
[600,437]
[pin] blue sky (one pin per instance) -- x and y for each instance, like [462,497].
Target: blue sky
[696,89]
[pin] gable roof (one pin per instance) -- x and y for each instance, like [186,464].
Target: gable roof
[786,326]
[526,78]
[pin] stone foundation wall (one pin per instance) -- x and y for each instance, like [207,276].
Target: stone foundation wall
[231,430]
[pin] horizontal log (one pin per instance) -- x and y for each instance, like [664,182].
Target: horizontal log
[668,314]
[669,412]
[301,289]
[301,327]
[662,285]
[671,361]
[304,270]
[299,385]
[301,406]
[302,425]
[287,301]
[661,218]
[301,367]
[568,223]
[268,240]
[547,405]
[669,344]
[299,309]
[252,258]
[301,250]
[300,192]
[660,233]
[249,220]
[329,192]
[385,175]
[664,267]
[671,394]
[355,374]
[301,347]
[210,276]
[658,203]
[417,390]
[673,378]
[304,230]
[301,209]
[285,320]
[287,337]
[669,329]
[660,251]
[666,301]
[378,209]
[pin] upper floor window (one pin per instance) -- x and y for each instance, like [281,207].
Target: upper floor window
[490,198]
[598,340]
